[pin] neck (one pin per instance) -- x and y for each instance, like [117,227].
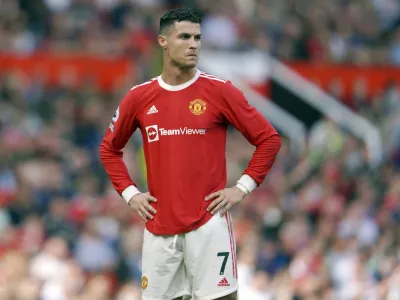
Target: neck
[175,76]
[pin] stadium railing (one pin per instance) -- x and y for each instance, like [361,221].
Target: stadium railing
[285,123]
[330,107]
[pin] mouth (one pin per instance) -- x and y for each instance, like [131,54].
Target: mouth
[192,55]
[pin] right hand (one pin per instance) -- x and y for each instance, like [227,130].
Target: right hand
[140,203]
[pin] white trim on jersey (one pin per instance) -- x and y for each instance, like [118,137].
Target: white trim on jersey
[211,77]
[178,87]
[147,82]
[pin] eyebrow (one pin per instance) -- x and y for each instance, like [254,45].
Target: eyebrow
[191,34]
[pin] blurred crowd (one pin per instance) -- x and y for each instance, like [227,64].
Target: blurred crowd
[324,225]
[357,31]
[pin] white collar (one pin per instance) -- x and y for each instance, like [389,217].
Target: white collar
[178,87]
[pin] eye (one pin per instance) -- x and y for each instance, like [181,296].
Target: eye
[197,37]
[185,36]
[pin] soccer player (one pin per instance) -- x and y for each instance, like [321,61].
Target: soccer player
[183,115]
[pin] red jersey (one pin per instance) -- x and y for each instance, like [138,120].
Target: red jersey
[184,137]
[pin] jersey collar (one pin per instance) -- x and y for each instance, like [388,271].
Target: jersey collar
[179,86]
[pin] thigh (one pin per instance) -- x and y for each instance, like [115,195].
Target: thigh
[210,258]
[163,271]
[232,296]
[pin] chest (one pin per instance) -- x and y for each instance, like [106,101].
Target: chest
[173,110]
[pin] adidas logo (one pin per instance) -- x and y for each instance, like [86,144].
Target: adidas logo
[152,110]
[224,282]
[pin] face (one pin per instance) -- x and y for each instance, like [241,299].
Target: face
[182,44]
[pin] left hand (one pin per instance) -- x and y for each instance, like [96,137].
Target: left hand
[225,199]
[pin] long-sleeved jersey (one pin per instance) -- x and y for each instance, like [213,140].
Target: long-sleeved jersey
[184,135]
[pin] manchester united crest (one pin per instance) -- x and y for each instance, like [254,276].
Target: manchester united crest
[197,107]
[145,282]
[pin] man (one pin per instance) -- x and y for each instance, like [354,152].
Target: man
[183,115]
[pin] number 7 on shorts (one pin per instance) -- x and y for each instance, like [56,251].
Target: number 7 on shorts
[225,255]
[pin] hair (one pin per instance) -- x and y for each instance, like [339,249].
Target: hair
[177,15]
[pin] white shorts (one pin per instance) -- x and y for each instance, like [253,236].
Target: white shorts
[200,263]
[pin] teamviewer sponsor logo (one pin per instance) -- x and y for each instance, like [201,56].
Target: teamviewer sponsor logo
[152,133]
[182,131]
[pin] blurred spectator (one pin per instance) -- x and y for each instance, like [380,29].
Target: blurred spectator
[92,252]
[258,289]
[129,292]
[50,263]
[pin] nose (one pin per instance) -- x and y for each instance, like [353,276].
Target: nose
[193,44]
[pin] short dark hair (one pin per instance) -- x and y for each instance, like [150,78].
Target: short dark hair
[178,15]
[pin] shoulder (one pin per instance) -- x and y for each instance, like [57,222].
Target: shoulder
[134,96]
[138,92]
[212,80]
[222,85]
[143,86]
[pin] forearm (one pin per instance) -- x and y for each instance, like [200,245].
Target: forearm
[260,164]
[117,171]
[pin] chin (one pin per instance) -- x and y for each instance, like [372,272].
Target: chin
[188,65]
[191,65]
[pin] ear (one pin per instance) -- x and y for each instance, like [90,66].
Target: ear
[162,41]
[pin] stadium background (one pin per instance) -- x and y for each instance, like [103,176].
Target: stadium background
[325,225]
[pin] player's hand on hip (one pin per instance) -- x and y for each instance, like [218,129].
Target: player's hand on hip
[224,199]
[140,203]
